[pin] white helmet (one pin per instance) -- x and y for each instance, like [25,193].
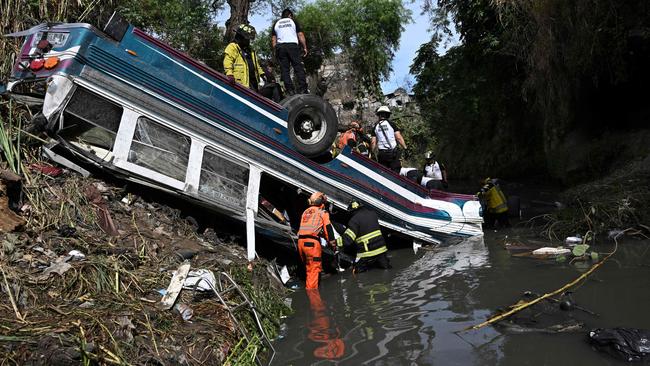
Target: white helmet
[383,109]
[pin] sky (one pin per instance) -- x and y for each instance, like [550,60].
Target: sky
[415,34]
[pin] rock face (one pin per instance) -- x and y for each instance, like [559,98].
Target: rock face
[335,83]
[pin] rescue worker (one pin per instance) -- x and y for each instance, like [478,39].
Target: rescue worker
[363,235]
[314,225]
[355,138]
[387,138]
[495,205]
[435,172]
[287,41]
[240,63]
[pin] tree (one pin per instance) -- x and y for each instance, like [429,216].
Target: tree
[368,31]
[240,9]
[187,25]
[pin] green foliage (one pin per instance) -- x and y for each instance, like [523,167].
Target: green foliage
[368,31]
[10,137]
[320,21]
[530,76]
[417,132]
[187,25]
[580,250]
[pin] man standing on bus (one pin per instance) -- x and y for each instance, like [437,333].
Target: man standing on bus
[287,41]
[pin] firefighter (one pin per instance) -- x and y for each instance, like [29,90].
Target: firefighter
[363,235]
[314,225]
[494,203]
[240,62]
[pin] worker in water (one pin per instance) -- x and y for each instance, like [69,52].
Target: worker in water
[495,205]
[314,225]
[240,63]
[363,236]
[355,138]
[435,172]
[387,138]
[322,330]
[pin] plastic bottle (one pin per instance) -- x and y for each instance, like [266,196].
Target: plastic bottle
[573,240]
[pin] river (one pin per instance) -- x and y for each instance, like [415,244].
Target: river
[411,314]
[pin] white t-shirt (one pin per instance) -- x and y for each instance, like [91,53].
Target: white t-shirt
[385,134]
[433,171]
[404,171]
[286,31]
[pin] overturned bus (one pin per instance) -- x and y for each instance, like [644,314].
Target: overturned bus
[125,102]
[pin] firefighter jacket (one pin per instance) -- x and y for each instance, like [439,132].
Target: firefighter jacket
[235,64]
[315,224]
[495,200]
[364,234]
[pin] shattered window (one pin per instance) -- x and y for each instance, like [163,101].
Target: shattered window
[223,181]
[91,119]
[160,149]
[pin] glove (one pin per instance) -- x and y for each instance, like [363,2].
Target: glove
[231,79]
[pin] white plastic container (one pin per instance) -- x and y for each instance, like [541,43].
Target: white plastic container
[573,240]
[550,250]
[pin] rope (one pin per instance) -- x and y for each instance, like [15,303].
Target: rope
[520,307]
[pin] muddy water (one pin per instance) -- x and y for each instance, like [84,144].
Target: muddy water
[409,315]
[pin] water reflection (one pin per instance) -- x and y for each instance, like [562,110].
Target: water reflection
[386,317]
[322,330]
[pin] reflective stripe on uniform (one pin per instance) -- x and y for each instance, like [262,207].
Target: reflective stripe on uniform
[350,233]
[365,239]
[372,253]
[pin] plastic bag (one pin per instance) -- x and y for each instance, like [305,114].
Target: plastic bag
[628,344]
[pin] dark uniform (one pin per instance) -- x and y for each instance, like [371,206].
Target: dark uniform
[363,234]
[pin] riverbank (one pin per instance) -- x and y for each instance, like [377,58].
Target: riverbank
[83,277]
[618,202]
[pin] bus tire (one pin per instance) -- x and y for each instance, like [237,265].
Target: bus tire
[312,124]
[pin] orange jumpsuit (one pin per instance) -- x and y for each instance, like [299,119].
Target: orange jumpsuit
[315,224]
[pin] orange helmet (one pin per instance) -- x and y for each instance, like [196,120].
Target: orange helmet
[355,125]
[317,199]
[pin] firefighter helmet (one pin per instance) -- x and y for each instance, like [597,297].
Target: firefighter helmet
[247,31]
[353,205]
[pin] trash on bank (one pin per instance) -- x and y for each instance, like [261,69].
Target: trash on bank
[175,286]
[59,268]
[628,344]
[185,311]
[200,279]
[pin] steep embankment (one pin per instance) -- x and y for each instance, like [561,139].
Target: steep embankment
[83,278]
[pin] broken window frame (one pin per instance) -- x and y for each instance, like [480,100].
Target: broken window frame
[124,140]
[218,154]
